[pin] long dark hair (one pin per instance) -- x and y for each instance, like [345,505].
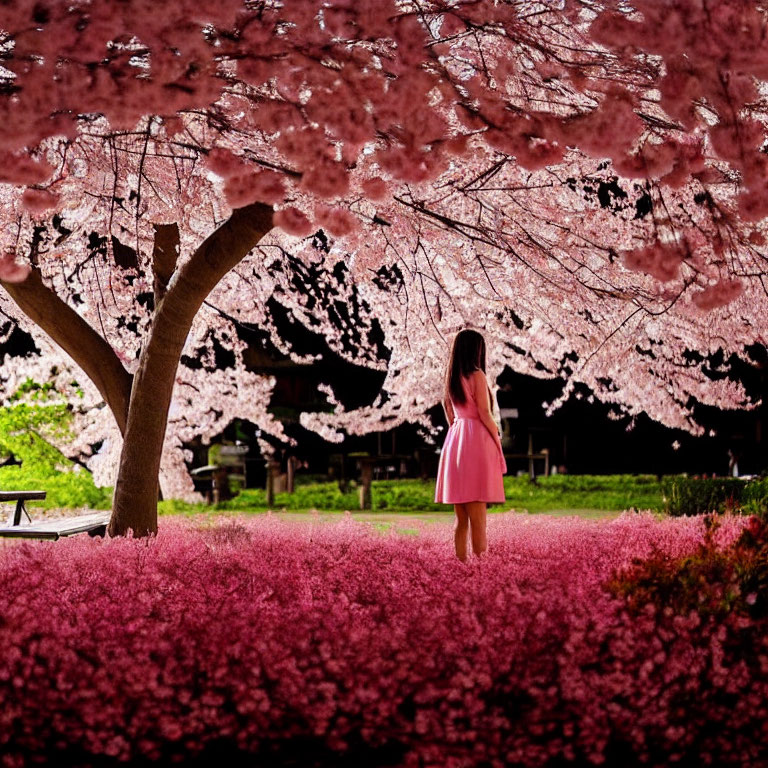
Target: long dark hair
[467,355]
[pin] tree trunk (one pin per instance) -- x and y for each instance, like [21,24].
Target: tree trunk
[135,500]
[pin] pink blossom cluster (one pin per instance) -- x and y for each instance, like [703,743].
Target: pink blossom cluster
[714,65]
[10,270]
[658,259]
[260,634]
[718,295]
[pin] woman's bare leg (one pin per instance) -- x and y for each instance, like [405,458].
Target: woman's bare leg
[460,532]
[476,512]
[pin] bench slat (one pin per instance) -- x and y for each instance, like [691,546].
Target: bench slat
[54,529]
[16,495]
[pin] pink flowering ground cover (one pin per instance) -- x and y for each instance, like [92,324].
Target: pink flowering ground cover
[259,642]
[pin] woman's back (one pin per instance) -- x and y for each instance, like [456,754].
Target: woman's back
[467,409]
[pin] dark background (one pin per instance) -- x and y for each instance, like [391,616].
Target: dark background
[580,436]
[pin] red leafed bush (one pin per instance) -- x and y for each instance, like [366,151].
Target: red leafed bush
[711,580]
[264,643]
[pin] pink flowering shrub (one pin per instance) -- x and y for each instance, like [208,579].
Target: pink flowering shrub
[261,642]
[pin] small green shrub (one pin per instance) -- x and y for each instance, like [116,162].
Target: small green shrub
[179,507]
[315,495]
[309,479]
[405,495]
[754,499]
[26,432]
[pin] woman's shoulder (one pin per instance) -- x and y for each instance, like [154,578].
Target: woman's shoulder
[476,380]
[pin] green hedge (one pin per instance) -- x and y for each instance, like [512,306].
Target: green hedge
[584,492]
[557,492]
[696,495]
[674,495]
[310,496]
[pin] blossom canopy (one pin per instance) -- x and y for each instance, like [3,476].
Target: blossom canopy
[584,182]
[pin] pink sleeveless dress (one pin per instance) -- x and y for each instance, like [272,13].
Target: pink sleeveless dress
[471,466]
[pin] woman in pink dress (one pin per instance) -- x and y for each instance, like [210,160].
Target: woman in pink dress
[472,465]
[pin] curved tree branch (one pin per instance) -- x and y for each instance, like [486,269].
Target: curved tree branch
[78,339]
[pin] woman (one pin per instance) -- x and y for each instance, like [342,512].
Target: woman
[470,474]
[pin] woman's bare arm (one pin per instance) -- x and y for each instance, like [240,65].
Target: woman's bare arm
[483,399]
[448,408]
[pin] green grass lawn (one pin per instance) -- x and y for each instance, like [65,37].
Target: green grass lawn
[405,523]
[393,516]
[591,495]
[585,495]
[174,507]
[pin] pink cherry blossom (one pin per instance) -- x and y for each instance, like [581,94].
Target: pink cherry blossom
[20,168]
[338,221]
[293,221]
[718,295]
[662,260]
[39,201]
[10,270]
[375,188]
[580,183]
[258,186]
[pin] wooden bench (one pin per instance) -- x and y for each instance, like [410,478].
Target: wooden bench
[94,524]
[20,497]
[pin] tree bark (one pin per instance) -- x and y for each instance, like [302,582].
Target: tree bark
[81,342]
[135,502]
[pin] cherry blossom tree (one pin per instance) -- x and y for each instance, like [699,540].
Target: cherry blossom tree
[583,181]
